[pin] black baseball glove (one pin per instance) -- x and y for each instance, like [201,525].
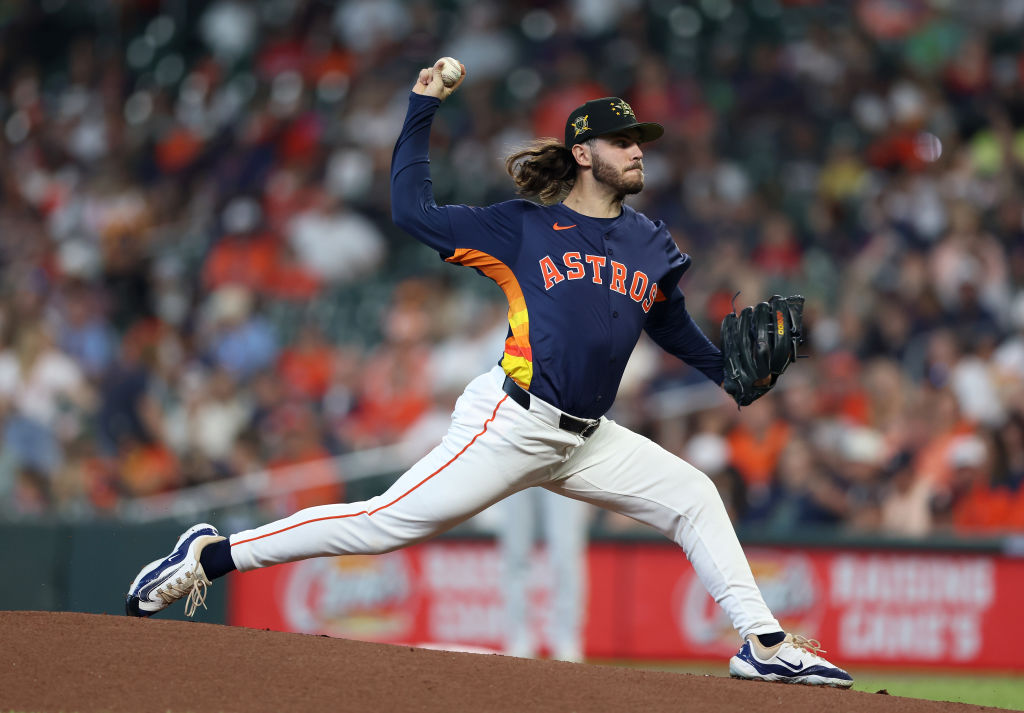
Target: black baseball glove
[759,344]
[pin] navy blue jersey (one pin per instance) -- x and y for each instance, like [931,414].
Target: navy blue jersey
[580,289]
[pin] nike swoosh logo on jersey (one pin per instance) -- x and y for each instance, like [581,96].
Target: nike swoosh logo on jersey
[791,665]
[556,226]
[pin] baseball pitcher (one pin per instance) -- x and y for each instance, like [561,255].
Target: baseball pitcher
[584,274]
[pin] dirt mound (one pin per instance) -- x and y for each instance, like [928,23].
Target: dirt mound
[86,662]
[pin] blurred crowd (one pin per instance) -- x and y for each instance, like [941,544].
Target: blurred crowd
[200,278]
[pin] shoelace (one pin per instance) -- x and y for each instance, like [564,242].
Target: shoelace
[196,595]
[811,646]
[192,582]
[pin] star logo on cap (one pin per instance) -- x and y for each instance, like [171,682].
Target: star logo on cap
[580,125]
[621,108]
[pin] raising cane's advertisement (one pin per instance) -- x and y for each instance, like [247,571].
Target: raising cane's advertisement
[645,602]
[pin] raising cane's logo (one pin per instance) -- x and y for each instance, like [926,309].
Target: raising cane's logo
[358,596]
[787,583]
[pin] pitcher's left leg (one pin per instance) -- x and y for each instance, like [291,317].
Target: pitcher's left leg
[627,473]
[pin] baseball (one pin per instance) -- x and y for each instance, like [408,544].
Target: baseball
[451,70]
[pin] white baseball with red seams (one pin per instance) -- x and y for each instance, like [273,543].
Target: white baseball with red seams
[493,448]
[451,70]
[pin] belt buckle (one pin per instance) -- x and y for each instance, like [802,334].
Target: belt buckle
[589,429]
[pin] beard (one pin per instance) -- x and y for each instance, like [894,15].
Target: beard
[624,183]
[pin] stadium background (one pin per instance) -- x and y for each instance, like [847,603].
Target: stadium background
[205,311]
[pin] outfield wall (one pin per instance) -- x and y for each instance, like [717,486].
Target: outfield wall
[949,604]
[84,567]
[917,609]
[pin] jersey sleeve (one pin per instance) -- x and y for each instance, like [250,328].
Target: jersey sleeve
[412,193]
[678,262]
[447,229]
[673,329]
[495,230]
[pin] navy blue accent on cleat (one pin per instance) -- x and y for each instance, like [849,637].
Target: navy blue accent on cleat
[790,666]
[131,607]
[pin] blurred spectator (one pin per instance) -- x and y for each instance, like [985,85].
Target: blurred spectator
[808,495]
[777,252]
[305,367]
[84,334]
[125,410]
[395,389]
[244,255]
[147,468]
[216,418]
[297,450]
[907,500]
[334,242]
[239,339]
[970,503]
[756,441]
[843,396]
[969,258]
[41,388]
[862,457]
[939,426]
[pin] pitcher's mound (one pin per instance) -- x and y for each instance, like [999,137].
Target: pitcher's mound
[64,661]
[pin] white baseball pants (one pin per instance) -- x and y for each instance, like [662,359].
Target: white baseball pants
[494,448]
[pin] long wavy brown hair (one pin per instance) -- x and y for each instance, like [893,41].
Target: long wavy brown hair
[544,168]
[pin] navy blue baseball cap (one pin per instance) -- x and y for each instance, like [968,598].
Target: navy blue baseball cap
[607,115]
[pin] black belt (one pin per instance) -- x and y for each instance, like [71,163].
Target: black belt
[579,426]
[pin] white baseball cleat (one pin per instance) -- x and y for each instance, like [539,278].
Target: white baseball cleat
[179,574]
[795,660]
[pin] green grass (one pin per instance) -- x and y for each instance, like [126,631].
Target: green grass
[1001,691]
[997,690]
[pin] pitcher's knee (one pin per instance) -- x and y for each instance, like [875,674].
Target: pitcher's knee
[383,539]
[378,543]
[706,489]
[697,493]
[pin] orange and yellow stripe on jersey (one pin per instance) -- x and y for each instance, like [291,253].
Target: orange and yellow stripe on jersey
[518,359]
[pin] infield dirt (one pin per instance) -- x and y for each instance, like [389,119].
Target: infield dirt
[85,663]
